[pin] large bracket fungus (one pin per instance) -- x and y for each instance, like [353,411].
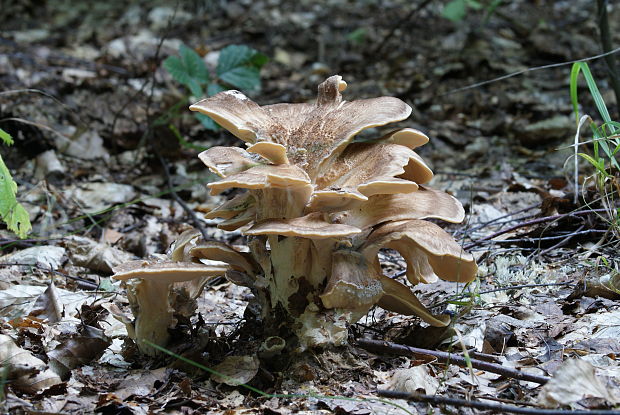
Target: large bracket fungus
[317,208]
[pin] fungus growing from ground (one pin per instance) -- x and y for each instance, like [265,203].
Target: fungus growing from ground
[153,285]
[317,207]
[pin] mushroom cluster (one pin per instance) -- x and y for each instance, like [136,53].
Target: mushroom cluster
[317,208]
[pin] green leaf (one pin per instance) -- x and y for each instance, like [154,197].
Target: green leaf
[207,122]
[11,212]
[196,68]
[176,69]
[455,10]
[244,77]
[6,137]
[189,69]
[239,66]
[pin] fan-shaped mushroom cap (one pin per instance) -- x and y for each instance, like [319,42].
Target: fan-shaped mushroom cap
[260,177]
[422,204]
[274,152]
[353,284]
[312,226]
[363,170]
[165,272]
[239,220]
[427,249]
[417,170]
[296,126]
[407,137]
[232,207]
[398,298]
[235,112]
[226,161]
[180,247]
[334,200]
[219,251]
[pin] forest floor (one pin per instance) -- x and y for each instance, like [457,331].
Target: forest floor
[83,83]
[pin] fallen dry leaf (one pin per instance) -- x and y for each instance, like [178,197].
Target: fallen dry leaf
[26,372]
[236,369]
[574,381]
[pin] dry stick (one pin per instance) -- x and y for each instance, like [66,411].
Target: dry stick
[377,346]
[529,223]
[91,285]
[192,215]
[563,241]
[485,224]
[443,400]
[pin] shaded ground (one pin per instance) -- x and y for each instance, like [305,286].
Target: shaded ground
[86,82]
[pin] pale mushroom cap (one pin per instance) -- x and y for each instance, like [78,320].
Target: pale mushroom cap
[219,251]
[423,243]
[232,207]
[421,204]
[165,272]
[353,283]
[274,152]
[260,177]
[312,226]
[399,299]
[226,161]
[297,126]
[408,137]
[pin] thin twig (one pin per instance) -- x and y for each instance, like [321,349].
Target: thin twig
[82,281]
[376,346]
[532,69]
[563,241]
[190,212]
[501,408]
[529,223]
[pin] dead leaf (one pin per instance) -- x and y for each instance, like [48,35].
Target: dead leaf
[47,306]
[27,373]
[78,350]
[574,381]
[235,370]
[414,379]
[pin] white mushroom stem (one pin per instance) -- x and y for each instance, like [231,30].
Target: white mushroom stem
[154,315]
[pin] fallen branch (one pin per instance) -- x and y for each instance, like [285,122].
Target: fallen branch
[530,223]
[501,408]
[376,346]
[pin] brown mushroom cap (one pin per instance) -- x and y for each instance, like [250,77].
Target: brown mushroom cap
[166,272]
[361,171]
[422,204]
[219,251]
[312,226]
[239,220]
[417,170]
[353,283]
[427,249]
[408,137]
[398,298]
[233,207]
[178,251]
[235,112]
[260,177]
[274,152]
[296,126]
[226,161]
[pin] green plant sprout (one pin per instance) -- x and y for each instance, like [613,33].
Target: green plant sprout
[238,66]
[605,145]
[11,212]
